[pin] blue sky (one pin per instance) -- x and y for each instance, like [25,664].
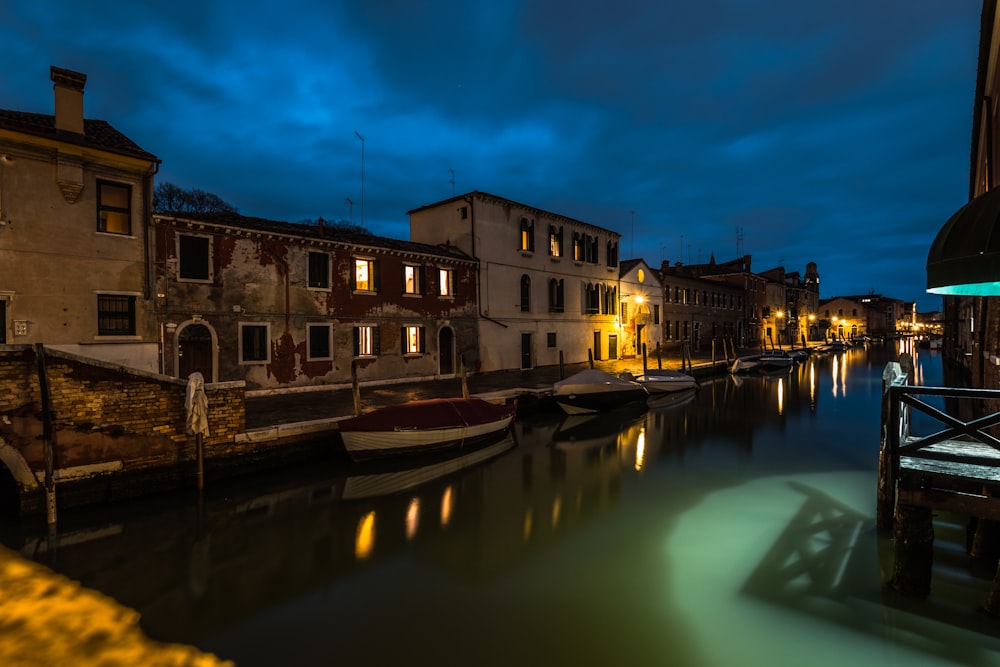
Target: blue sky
[794,131]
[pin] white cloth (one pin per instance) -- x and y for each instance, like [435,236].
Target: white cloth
[196,404]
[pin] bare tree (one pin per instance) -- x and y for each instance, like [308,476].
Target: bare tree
[168,197]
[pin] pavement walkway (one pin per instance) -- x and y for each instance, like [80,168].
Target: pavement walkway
[267,410]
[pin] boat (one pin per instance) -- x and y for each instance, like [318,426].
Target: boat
[834,346]
[594,390]
[675,399]
[663,381]
[598,430]
[772,360]
[424,426]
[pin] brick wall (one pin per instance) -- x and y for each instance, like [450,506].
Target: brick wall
[108,418]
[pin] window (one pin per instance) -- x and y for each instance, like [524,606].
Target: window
[366,341]
[556,303]
[254,347]
[550,339]
[656,313]
[592,300]
[413,340]
[525,294]
[413,279]
[590,248]
[366,278]
[577,247]
[527,235]
[318,338]
[446,282]
[555,241]
[114,212]
[464,212]
[115,315]
[612,253]
[319,270]
[194,257]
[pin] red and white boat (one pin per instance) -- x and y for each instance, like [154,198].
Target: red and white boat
[424,426]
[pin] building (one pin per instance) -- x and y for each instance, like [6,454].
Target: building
[792,303]
[702,307]
[75,198]
[843,318]
[548,284]
[281,305]
[641,307]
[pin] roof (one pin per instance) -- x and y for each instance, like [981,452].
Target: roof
[330,233]
[97,134]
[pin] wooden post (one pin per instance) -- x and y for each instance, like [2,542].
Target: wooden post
[199,441]
[888,459]
[914,551]
[659,356]
[562,368]
[644,367]
[713,353]
[590,356]
[355,388]
[48,435]
[465,381]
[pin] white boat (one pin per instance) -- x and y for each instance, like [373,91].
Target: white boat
[593,390]
[772,360]
[424,426]
[663,381]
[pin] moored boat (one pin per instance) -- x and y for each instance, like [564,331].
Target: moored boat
[424,426]
[772,360]
[593,390]
[662,381]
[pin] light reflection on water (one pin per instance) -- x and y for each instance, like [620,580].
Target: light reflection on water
[731,526]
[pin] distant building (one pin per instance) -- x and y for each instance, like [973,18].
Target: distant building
[706,303]
[548,284]
[75,197]
[641,308]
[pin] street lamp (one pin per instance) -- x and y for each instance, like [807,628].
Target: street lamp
[358,135]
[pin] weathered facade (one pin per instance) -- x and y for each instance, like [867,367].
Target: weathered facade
[281,305]
[972,323]
[792,304]
[75,197]
[548,284]
[843,318]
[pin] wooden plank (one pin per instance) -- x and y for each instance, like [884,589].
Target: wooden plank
[972,472]
[959,503]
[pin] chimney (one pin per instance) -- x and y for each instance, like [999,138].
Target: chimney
[69,99]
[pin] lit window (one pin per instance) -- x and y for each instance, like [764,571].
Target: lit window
[319,270]
[254,347]
[446,282]
[555,241]
[115,315]
[114,212]
[366,341]
[365,275]
[413,279]
[527,235]
[413,340]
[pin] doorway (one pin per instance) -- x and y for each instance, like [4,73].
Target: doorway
[525,351]
[194,352]
[446,351]
[597,345]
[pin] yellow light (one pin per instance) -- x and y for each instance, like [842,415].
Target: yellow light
[447,504]
[780,314]
[640,450]
[639,299]
[364,537]
[412,518]
[556,511]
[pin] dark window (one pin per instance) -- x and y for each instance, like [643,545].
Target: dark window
[656,313]
[253,343]
[556,303]
[114,211]
[319,341]
[319,270]
[551,339]
[194,257]
[115,315]
[525,294]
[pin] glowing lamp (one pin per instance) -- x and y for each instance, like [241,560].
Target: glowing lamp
[965,257]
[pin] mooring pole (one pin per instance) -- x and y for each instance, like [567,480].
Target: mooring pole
[465,382]
[47,435]
[355,388]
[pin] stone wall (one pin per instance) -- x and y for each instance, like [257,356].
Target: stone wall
[116,432]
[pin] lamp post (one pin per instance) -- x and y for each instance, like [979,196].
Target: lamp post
[358,135]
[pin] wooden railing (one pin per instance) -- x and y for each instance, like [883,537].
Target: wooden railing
[960,448]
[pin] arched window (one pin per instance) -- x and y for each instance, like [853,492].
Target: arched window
[525,294]
[555,296]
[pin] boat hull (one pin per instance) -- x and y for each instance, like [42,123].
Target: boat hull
[424,427]
[596,391]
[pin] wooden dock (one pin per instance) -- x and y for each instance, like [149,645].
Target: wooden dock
[954,469]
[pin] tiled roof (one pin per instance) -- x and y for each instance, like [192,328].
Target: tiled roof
[96,133]
[309,231]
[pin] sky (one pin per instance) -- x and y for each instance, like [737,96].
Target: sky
[794,131]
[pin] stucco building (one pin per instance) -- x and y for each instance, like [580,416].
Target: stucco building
[641,308]
[75,197]
[281,305]
[548,284]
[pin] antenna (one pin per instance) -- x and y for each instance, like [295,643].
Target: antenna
[452,181]
[739,241]
[631,251]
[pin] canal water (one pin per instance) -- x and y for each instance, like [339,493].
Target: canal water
[734,526]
